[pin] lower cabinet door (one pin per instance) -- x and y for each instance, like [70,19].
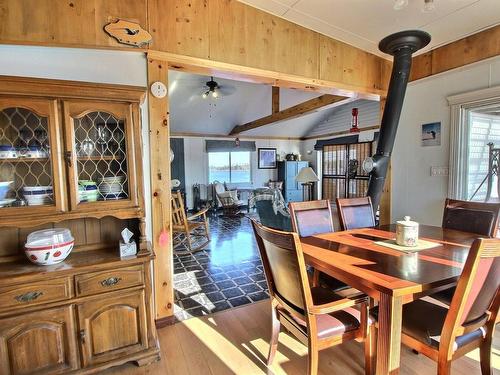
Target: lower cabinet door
[112,327]
[42,342]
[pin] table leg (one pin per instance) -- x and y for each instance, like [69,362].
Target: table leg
[389,334]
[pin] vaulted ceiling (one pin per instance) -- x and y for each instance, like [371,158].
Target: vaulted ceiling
[191,113]
[363,23]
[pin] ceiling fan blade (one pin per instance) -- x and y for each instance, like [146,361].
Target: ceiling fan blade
[227,90]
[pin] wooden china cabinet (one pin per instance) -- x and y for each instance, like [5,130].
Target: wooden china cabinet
[70,154]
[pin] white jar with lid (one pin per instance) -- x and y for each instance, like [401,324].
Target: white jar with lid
[407,232]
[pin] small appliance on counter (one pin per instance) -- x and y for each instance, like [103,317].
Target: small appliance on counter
[407,232]
[49,246]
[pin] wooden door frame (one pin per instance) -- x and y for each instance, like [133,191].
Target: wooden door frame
[158,65]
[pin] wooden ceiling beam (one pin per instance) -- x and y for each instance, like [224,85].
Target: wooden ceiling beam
[320,103]
[275,99]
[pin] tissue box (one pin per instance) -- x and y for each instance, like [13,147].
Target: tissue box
[127,249]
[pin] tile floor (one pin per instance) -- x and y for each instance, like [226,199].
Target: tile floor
[226,274]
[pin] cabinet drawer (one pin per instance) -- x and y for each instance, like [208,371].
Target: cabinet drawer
[105,281]
[35,293]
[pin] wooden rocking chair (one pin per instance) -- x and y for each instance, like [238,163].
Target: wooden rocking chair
[184,227]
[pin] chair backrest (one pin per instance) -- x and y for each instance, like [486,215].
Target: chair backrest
[219,187]
[474,217]
[477,291]
[284,267]
[355,213]
[311,218]
[178,211]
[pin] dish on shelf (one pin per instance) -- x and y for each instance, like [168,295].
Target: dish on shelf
[6,202]
[32,152]
[8,152]
[87,191]
[5,188]
[38,195]
[49,246]
[114,196]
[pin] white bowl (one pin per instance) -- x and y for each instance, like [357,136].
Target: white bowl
[50,254]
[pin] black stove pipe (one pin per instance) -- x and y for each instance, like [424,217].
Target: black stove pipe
[400,45]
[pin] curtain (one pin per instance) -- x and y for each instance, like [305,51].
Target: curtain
[228,146]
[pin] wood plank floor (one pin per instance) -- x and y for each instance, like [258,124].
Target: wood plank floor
[236,342]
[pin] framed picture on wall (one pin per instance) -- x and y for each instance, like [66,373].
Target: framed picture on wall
[267,158]
[431,134]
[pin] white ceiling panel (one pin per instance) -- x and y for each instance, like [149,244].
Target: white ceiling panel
[363,23]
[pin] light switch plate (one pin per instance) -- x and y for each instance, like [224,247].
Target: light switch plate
[439,171]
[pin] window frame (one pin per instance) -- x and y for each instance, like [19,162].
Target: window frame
[250,181]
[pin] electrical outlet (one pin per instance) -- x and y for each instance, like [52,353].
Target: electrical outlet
[439,171]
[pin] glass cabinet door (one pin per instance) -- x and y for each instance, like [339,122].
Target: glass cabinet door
[99,154]
[30,177]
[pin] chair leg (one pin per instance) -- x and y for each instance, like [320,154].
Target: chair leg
[188,237]
[313,358]
[273,345]
[444,367]
[370,350]
[485,356]
[315,278]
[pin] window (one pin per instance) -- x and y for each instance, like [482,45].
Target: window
[233,167]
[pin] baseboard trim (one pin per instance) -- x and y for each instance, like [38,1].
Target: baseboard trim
[163,322]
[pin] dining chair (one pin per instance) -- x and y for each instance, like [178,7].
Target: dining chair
[316,316]
[445,334]
[474,217]
[184,227]
[355,213]
[309,219]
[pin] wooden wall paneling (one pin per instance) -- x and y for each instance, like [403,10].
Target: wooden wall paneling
[243,35]
[341,62]
[77,228]
[9,242]
[180,26]
[160,186]
[468,50]
[75,22]
[93,230]
[421,66]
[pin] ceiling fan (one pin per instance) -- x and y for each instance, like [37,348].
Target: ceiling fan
[214,90]
[428,6]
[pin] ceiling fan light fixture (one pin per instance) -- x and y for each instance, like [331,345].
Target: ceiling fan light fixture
[204,95]
[215,94]
[400,4]
[429,6]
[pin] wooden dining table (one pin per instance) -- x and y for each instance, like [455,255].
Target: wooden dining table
[392,277]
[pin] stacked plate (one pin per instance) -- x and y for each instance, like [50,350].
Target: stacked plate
[87,190]
[111,187]
[38,195]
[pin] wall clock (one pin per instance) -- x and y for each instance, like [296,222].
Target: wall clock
[130,33]
[158,89]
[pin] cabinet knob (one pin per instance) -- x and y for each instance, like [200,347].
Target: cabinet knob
[82,336]
[110,281]
[28,297]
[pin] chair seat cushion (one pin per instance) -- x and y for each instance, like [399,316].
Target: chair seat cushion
[424,322]
[329,325]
